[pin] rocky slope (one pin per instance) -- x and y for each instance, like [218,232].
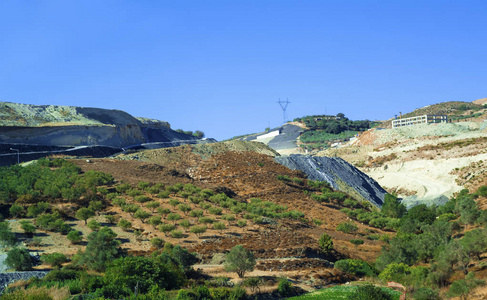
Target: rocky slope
[339,174]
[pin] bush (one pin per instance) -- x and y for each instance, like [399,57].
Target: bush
[55,259]
[93,225]
[142,199]
[124,224]
[284,287]
[19,259]
[74,236]
[347,227]
[28,227]
[16,210]
[157,242]
[84,214]
[242,223]
[357,242]
[177,234]
[325,242]
[198,230]
[355,267]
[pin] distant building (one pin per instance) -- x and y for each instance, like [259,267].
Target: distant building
[324,117]
[425,119]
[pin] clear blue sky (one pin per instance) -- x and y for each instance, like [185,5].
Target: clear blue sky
[221,66]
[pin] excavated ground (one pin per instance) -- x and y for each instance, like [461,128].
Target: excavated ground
[287,246]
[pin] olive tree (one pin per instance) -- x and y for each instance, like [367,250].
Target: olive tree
[239,260]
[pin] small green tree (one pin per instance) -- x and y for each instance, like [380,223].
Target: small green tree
[185,208]
[124,224]
[16,210]
[173,217]
[142,215]
[347,227]
[93,225]
[96,206]
[325,242]
[102,248]
[165,228]
[55,259]
[28,227]
[154,221]
[110,219]
[84,214]
[74,236]
[198,230]
[152,205]
[163,211]
[19,259]
[185,224]
[7,237]
[239,260]
[220,226]
[392,207]
[174,202]
[157,242]
[284,287]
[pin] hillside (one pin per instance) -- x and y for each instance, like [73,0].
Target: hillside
[273,211]
[40,130]
[210,198]
[456,110]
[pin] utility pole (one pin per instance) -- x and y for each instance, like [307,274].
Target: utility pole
[18,155]
[284,105]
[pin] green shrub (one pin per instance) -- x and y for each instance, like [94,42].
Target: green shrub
[215,210]
[19,259]
[284,287]
[347,227]
[355,267]
[197,213]
[198,230]
[124,224]
[357,242]
[122,188]
[74,236]
[206,220]
[241,223]
[157,242]
[16,210]
[325,242]
[55,259]
[28,227]
[165,228]
[142,199]
[177,234]
[93,225]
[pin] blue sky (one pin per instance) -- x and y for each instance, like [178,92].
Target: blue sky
[221,66]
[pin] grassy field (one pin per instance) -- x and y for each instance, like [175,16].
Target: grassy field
[339,292]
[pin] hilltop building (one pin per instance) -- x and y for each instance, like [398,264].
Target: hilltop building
[425,119]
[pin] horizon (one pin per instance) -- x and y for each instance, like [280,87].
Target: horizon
[221,67]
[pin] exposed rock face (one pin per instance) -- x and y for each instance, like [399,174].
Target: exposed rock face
[339,174]
[52,125]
